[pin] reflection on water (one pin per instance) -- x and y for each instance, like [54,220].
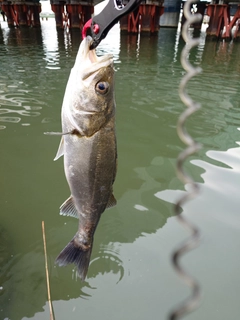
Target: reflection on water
[131,250]
[217,178]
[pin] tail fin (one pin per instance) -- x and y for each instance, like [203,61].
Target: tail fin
[75,253]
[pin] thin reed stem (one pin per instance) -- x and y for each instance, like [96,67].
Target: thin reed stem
[47,274]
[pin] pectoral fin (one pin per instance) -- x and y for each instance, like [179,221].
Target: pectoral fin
[68,208]
[111,202]
[58,133]
[60,151]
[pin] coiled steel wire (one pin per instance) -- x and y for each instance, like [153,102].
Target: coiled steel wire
[192,302]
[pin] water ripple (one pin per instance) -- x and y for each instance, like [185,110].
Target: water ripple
[112,262]
[21,112]
[10,119]
[19,104]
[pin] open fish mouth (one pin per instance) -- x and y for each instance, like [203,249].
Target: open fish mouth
[88,61]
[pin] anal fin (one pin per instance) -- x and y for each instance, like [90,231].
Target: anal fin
[111,202]
[68,208]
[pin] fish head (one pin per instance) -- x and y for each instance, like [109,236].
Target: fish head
[89,101]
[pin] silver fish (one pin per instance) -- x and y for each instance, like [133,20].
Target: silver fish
[89,147]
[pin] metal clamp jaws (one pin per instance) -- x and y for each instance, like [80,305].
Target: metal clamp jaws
[107,18]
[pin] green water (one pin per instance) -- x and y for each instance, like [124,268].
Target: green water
[130,276]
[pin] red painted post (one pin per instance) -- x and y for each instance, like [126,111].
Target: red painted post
[73,11]
[144,19]
[14,14]
[58,10]
[87,12]
[7,8]
[236,35]
[219,17]
[235,21]
[124,24]
[147,13]
[35,10]
[133,21]
[79,14]
[21,14]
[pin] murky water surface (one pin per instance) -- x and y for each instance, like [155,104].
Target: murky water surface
[130,276]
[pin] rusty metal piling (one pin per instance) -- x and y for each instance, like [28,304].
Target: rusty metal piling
[22,13]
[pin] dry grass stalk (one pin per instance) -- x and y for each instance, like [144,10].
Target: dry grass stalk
[47,274]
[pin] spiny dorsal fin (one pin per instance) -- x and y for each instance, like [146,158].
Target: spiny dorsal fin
[60,151]
[111,202]
[68,208]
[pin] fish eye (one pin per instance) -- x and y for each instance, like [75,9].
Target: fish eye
[102,87]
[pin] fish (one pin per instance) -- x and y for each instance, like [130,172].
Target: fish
[88,146]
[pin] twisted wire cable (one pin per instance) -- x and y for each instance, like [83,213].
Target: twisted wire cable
[192,302]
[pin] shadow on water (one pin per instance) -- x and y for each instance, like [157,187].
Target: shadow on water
[147,78]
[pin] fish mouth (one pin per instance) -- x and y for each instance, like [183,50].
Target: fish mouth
[89,59]
[91,54]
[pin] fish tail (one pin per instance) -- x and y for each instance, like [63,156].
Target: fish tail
[77,253]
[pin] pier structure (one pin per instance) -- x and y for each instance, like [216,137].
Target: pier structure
[144,19]
[21,12]
[223,16]
[224,21]
[75,13]
[72,13]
